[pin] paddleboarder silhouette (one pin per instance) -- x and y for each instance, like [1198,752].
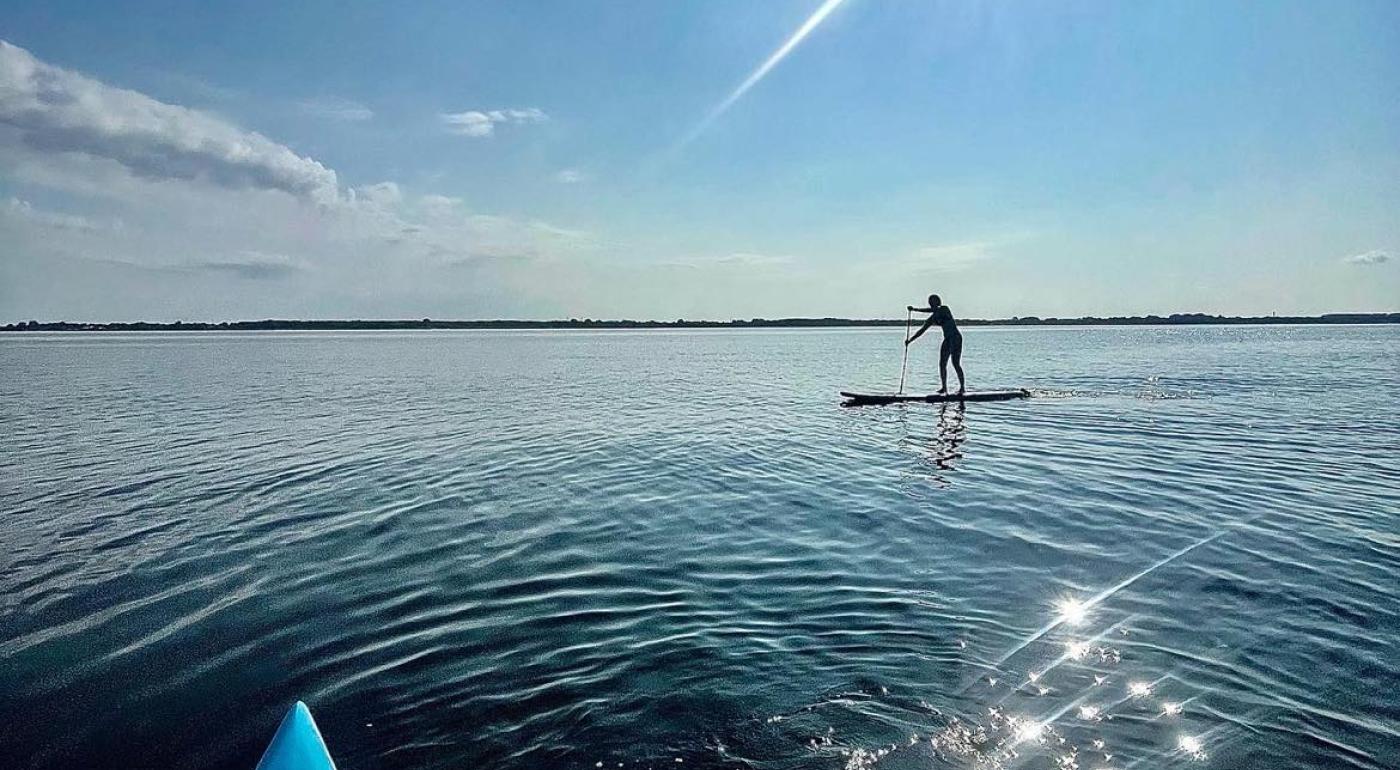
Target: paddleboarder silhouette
[952,340]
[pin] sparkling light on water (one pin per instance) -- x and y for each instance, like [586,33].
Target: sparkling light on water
[1192,746]
[1005,741]
[1028,730]
[1071,611]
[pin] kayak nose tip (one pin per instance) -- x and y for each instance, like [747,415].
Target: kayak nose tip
[297,745]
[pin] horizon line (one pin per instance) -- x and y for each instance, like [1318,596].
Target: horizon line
[1173,319]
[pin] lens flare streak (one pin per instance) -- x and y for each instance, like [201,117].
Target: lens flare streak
[1083,607]
[812,22]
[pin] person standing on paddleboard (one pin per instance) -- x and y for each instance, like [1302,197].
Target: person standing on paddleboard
[952,340]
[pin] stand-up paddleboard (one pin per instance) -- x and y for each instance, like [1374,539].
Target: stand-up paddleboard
[876,399]
[297,744]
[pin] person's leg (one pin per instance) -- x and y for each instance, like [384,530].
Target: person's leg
[943,353]
[957,366]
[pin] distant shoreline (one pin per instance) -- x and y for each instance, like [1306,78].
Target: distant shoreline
[1176,319]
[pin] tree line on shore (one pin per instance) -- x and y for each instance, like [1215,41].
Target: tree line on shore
[682,323]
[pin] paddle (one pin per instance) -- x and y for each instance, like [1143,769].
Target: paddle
[908,317]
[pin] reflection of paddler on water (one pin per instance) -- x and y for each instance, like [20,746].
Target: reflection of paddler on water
[938,450]
[952,340]
[952,432]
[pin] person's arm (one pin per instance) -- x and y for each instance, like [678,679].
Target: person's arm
[921,330]
[921,309]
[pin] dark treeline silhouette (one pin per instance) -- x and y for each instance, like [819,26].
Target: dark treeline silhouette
[681,323]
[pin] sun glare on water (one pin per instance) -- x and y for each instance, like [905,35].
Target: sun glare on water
[1071,611]
[1029,730]
[1192,746]
[1061,727]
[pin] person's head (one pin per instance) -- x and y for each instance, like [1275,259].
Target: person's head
[934,301]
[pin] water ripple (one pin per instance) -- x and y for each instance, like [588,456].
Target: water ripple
[674,549]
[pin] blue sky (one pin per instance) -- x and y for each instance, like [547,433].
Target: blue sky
[528,159]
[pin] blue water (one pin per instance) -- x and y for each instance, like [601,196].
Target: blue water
[675,549]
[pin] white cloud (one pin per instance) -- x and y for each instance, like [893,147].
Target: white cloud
[953,257]
[751,259]
[335,108]
[383,193]
[50,109]
[189,215]
[479,123]
[442,202]
[570,176]
[21,209]
[469,123]
[1373,257]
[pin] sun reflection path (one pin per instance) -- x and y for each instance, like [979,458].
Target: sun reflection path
[1008,741]
[1077,650]
[1076,732]
[1073,611]
[1005,741]
[1194,746]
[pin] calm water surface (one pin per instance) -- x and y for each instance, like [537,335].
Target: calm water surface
[674,549]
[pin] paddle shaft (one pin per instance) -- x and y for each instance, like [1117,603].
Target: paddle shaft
[903,365]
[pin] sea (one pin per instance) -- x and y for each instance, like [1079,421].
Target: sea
[677,549]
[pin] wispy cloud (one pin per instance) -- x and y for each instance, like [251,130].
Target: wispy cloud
[383,193]
[952,257]
[812,22]
[22,209]
[55,110]
[1373,257]
[956,256]
[251,265]
[336,108]
[482,123]
[751,259]
[570,176]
